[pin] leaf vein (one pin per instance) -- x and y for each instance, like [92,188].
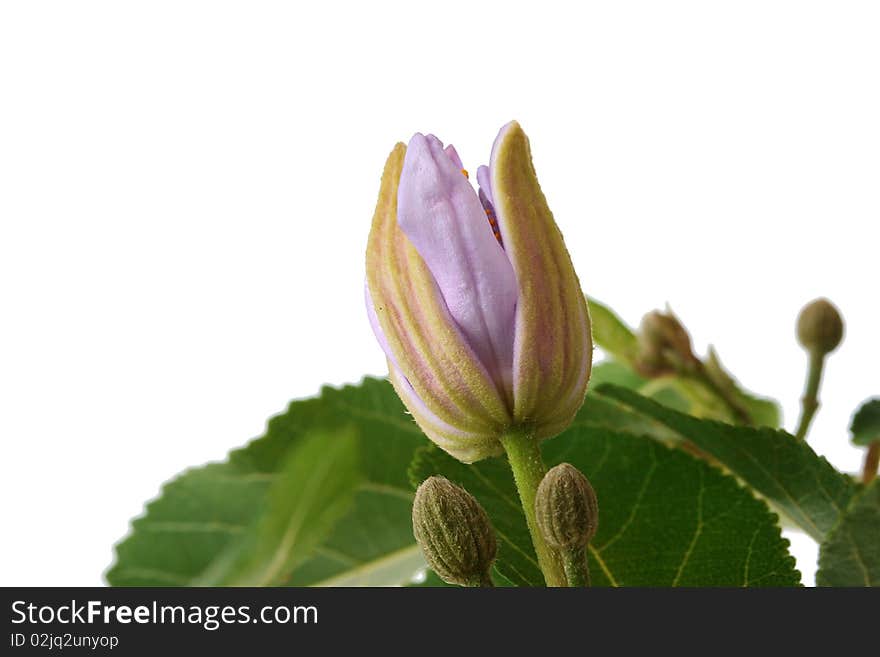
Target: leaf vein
[697,531]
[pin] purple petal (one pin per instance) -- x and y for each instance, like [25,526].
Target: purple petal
[441,215]
[485,182]
[452,154]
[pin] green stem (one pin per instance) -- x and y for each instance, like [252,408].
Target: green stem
[701,375]
[575,564]
[524,456]
[484,582]
[810,400]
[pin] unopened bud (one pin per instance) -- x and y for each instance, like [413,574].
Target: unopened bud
[664,345]
[454,533]
[566,508]
[820,327]
[448,290]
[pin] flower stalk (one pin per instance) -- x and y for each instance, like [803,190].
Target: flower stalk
[701,375]
[574,561]
[524,456]
[810,399]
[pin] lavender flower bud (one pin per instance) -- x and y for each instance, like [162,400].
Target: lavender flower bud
[473,297]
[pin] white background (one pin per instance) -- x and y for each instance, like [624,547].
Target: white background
[186,190]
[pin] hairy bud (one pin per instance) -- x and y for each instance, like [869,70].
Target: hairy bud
[820,327]
[566,508]
[454,533]
[664,345]
[474,298]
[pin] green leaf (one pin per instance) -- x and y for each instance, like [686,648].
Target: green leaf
[431,580]
[666,519]
[693,398]
[599,411]
[787,472]
[617,373]
[611,334]
[685,396]
[764,412]
[185,535]
[865,425]
[851,554]
[312,490]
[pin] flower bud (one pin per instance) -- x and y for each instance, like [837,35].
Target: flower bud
[566,508]
[820,327]
[474,298]
[664,345]
[454,533]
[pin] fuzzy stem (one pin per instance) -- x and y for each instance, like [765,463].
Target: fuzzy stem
[872,462]
[575,563]
[524,456]
[810,400]
[701,375]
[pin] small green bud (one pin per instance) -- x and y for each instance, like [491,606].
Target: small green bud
[820,327]
[664,345]
[454,533]
[566,508]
